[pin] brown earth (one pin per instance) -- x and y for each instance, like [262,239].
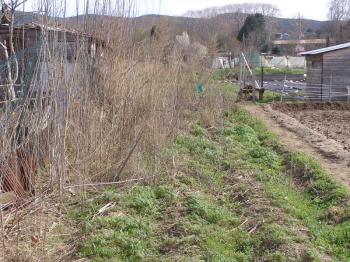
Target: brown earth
[320,130]
[293,107]
[330,119]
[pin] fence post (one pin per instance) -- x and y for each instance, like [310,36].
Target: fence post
[330,88]
[252,73]
[284,85]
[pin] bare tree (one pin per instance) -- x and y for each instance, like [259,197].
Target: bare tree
[8,16]
[300,25]
[339,11]
[245,8]
[231,18]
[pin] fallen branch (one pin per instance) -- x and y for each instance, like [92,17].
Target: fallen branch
[109,183]
[126,160]
[253,229]
[103,209]
[243,223]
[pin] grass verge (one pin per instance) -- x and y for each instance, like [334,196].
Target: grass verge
[233,194]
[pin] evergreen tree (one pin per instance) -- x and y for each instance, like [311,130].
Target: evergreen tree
[253,30]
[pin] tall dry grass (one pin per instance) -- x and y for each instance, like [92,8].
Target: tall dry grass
[106,121]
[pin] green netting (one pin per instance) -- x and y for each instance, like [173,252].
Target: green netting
[27,61]
[253,59]
[30,61]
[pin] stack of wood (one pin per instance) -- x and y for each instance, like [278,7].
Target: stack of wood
[248,92]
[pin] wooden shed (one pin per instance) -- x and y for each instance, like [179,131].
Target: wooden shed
[19,166]
[328,73]
[31,39]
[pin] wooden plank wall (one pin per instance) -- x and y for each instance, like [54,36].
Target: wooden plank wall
[330,73]
[314,74]
[314,70]
[336,70]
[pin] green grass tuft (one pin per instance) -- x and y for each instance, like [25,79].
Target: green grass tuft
[200,207]
[235,196]
[317,182]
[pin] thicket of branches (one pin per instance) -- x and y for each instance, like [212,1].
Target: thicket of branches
[339,16]
[106,119]
[232,18]
[245,8]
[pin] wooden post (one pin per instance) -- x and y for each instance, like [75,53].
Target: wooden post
[330,88]
[240,77]
[262,76]
[284,85]
[255,84]
[261,92]
[254,80]
[240,71]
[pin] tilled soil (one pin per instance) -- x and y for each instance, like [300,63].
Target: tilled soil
[283,120]
[329,119]
[293,107]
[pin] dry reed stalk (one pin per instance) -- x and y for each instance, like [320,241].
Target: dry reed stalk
[2,234]
[97,107]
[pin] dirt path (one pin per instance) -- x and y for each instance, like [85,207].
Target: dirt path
[298,137]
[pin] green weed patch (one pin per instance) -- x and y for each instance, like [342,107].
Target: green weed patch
[236,196]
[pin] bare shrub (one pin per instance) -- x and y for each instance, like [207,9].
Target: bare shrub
[98,108]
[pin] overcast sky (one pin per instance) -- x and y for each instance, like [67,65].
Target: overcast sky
[313,9]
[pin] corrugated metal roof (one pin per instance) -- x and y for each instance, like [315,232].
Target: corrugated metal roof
[326,50]
[4,29]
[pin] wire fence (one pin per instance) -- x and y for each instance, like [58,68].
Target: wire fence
[290,87]
[283,62]
[314,93]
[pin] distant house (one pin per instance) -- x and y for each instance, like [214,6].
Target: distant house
[222,62]
[328,72]
[299,49]
[283,62]
[282,36]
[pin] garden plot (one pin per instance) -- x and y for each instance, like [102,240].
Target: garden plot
[330,119]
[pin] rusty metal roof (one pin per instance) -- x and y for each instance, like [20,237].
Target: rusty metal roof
[38,26]
[325,50]
[4,29]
